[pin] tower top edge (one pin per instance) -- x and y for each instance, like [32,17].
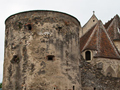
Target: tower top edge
[43,11]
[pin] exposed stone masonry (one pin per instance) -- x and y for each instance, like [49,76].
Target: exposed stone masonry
[93,79]
[41,51]
[49,50]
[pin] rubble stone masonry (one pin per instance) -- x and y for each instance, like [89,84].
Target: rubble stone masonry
[42,51]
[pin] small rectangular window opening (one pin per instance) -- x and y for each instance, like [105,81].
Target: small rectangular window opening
[50,57]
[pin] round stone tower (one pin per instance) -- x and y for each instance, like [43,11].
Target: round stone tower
[41,51]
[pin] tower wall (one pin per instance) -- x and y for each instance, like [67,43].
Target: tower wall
[41,51]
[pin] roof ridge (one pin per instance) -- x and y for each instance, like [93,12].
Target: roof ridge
[85,37]
[111,41]
[107,24]
[90,36]
[89,29]
[98,39]
[113,28]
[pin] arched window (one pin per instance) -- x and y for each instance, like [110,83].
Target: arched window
[88,55]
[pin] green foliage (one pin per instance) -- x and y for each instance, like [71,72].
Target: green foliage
[0,85]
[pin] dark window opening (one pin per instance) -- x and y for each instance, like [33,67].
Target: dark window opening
[73,87]
[88,55]
[59,28]
[93,20]
[50,57]
[67,63]
[94,88]
[15,59]
[29,27]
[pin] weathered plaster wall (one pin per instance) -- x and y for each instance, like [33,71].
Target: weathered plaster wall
[30,37]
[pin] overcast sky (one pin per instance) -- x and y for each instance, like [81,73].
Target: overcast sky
[81,9]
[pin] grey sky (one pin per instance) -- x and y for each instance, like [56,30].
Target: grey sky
[81,9]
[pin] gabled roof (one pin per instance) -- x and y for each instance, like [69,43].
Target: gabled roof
[113,28]
[93,17]
[85,37]
[91,22]
[97,39]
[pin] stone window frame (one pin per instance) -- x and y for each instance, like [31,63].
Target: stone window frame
[92,53]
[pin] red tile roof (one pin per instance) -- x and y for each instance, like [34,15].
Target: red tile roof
[98,39]
[84,38]
[114,28]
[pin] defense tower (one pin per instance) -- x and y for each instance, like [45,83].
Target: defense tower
[41,51]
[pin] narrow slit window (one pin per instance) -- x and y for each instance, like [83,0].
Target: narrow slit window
[50,57]
[73,87]
[29,27]
[94,88]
